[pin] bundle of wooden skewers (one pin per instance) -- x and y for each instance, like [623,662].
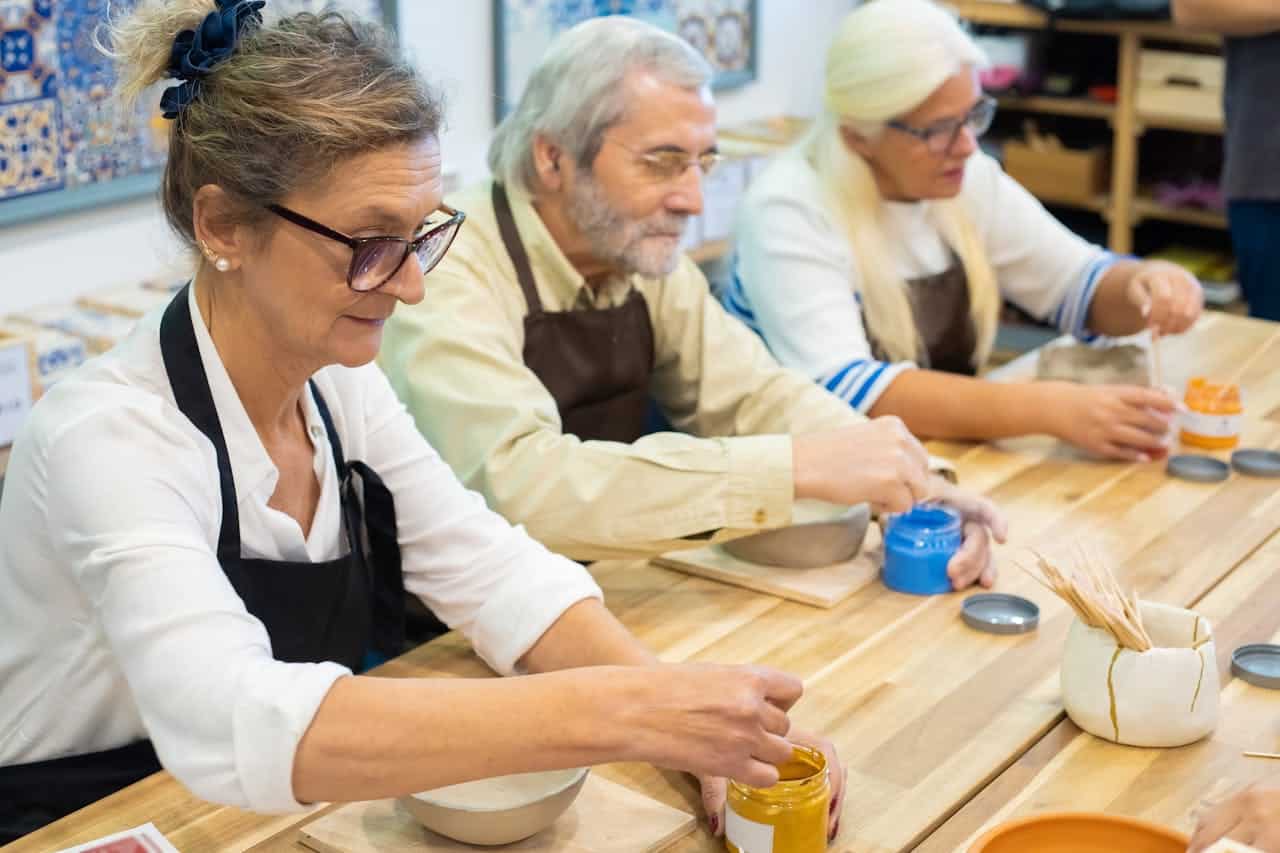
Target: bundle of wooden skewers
[1092,591]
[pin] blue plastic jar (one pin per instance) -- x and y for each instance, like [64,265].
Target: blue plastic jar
[917,547]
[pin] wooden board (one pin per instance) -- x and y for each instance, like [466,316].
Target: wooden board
[825,586]
[605,818]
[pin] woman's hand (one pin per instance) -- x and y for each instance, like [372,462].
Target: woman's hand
[1251,817]
[1125,422]
[982,523]
[707,720]
[715,788]
[1166,295]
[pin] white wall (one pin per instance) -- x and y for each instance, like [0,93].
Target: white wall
[58,259]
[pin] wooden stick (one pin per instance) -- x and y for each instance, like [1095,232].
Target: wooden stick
[1157,374]
[1262,754]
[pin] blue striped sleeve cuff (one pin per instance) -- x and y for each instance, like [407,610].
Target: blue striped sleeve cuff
[861,382]
[1071,317]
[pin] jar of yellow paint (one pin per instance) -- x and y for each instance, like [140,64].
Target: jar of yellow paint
[790,817]
[1213,417]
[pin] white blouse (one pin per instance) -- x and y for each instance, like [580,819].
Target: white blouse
[795,278]
[116,620]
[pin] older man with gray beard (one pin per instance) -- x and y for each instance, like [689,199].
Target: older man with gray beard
[565,307]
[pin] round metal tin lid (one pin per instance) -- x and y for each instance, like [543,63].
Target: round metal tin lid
[997,613]
[1201,469]
[1258,664]
[1256,463]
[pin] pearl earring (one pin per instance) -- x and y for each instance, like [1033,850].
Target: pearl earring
[222,264]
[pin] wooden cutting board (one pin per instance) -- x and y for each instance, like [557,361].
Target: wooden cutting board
[825,586]
[605,818]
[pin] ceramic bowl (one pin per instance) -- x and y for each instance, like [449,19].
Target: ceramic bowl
[501,810]
[1065,832]
[821,534]
[1121,364]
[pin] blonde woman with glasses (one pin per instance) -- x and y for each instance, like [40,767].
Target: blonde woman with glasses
[875,255]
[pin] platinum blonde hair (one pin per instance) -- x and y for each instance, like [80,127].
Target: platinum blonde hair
[576,92]
[888,57]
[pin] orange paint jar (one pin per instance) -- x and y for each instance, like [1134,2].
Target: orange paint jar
[1214,415]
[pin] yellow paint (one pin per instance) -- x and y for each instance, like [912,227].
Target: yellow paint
[796,807]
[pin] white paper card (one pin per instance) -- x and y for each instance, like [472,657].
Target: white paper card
[747,835]
[140,839]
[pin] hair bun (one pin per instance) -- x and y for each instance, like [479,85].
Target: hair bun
[198,51]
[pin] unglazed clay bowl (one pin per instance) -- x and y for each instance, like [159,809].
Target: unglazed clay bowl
[821,534]
[501,810]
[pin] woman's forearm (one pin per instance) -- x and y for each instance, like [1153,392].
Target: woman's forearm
[1112,312]
[375,737]
[382,737]
[944,405]
[586,634]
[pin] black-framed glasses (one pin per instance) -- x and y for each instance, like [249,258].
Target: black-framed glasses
[940,137]
[374,260]
[668,164]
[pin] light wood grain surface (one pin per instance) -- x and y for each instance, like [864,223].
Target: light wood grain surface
[927,713]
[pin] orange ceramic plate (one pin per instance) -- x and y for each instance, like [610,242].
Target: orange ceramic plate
[1080,832]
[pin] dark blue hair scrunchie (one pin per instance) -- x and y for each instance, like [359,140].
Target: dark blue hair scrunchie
[197,52]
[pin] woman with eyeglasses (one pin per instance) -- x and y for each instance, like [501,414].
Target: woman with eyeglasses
[876,254]
[207,533]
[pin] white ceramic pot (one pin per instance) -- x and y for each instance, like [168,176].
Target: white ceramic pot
[1164,697]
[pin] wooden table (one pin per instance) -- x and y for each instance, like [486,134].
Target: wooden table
[939,726]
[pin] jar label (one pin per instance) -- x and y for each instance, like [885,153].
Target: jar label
[1215,426]
[747,835]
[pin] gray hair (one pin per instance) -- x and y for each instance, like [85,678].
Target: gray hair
[575,94]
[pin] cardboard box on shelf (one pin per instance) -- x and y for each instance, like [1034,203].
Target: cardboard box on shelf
[17,382]
[56,353]
[129,301]
[1056,173]
[99,330]
[1181,86]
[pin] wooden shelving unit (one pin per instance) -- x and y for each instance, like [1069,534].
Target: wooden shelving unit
[1149,208]
[1047,105]
[1124,207]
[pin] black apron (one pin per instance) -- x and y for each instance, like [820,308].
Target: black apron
[947,340]
[596,364]
[349,610]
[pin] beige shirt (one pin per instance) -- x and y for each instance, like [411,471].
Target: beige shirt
[456,361]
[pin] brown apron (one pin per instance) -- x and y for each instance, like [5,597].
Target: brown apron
[597,364]
[940,304]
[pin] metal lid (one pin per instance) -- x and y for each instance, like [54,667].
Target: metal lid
[1201,469]
[1256,463]
[1258,664]
[997,613]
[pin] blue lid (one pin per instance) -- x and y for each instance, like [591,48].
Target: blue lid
[917,547]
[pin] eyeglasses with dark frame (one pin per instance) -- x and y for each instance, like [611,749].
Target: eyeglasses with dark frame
[669,164]
[940,137]
[375,260]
